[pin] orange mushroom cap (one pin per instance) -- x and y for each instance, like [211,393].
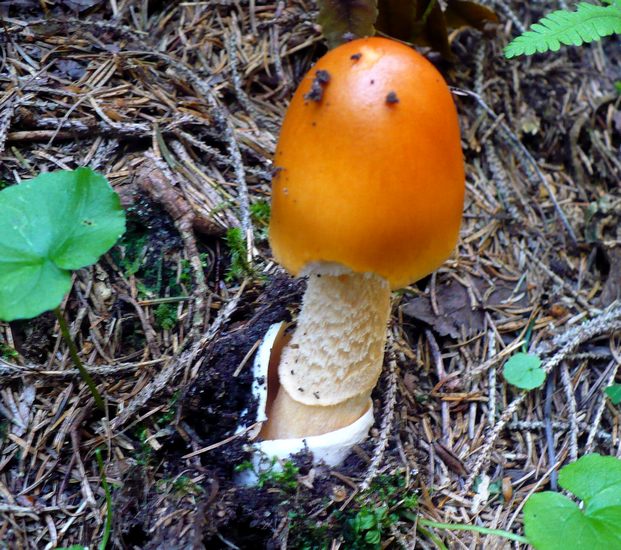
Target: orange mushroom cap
[369,167]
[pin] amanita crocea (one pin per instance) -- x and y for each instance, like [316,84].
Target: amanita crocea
[367,197]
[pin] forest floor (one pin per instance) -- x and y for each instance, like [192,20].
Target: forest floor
[179,105]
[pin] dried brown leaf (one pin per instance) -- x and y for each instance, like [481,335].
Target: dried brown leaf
[343,20]
[611,290]
[460,14]
[456,312]
[423,22]
[18,408]
[451,460]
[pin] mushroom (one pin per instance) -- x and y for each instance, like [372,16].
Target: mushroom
[367,197]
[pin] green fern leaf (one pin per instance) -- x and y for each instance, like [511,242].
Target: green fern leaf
[572,28]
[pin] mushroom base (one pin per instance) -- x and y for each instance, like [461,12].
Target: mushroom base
[330,448]
[289,418]
[333,361]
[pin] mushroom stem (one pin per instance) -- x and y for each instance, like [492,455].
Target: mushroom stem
[334,358]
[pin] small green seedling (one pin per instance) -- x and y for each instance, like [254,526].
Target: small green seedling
[284,475]
[614,393]
[553,520]
[524,371]
[50,226]
[572,28]
[366,527]
[386,503]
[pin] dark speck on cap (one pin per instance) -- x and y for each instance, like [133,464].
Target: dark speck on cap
[392,98]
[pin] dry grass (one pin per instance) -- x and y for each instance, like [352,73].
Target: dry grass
[183,106]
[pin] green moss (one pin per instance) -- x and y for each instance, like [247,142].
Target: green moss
[7,352]
[239,266]
[365,525]
[260,213]
[166,316]
[285,477]
[180,486]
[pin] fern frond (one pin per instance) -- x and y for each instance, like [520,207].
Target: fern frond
[572,28]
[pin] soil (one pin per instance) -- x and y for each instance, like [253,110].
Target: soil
[193,94]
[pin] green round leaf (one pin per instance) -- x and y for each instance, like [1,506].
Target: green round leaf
[524,371]
[50,225]
[553,521]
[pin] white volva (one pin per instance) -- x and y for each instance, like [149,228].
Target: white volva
[330,448]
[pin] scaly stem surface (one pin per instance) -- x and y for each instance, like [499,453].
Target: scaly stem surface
[333,361]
